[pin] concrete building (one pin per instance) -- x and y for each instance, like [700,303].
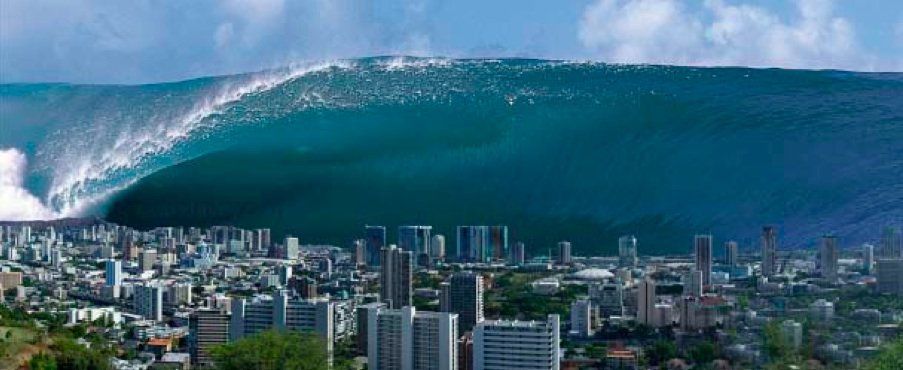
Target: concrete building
[517,345]
[396,274]
[769,251]
[146,259]
[375,241]
[793,333]
[113,271]
[868,258]
[207,329]
[409,340]
[518,254]
[260,313]
[362,324]
[890,276]
[821,310]
[627,251]
[891,243]
[702,253]
[9,280]
[731,253]
[148,301]
[608,297]
[581,318]
[645,302]
[463,294]
[291,248]
[827,258]
[563,257]
[437,247]
[693,285]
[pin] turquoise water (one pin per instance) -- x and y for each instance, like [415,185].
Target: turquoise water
[575,151]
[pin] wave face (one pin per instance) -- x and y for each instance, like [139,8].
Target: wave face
[555,150]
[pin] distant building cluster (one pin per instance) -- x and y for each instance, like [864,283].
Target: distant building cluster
[427,302]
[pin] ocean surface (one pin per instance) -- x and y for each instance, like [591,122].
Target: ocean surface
[556,150]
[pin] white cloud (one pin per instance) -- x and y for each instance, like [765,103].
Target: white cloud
[718,33]
[16,203]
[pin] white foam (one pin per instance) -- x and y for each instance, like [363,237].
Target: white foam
[16,202]
[79,168]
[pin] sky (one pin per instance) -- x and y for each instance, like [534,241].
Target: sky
[146,41]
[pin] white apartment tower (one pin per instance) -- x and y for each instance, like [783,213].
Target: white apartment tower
[404,339]
[517,345]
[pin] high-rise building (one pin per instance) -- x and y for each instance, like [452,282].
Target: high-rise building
[280,311]
[868,257]
[405,339]
[262,239]
[472,240]
[627,251]
[148,301]
[792,332]
[498,244]
[146,259]
[507,345]
[581,318]
[646,302]
[608,297]
[731,253]
[113,273]
[891,243]
[890,276]
[702,251]
[396,273]
[416,239]
[362,320]
[518,254]
[563,256]
[769,250]
[375,239]
[179,294]
[285,273]
[437,247]
[693,284]
[359,248]
[291,248]
[463,295]
[207,329]
[827,258]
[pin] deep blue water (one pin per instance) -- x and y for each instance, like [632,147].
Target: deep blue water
[576,151]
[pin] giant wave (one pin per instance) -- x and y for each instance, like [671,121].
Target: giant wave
[556,150]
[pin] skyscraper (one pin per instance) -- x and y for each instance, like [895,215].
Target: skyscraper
[868,257]
[564,253]
[646,302]
[113,273]
[518,254]
[627,251]
[471,241]
[415,239]
[405,339]
[581,318]
[498,243]
[395,276]
[891,243]
[731,253]
[507,345]
[291,248]
[146,259]
[148,301]
[769,250]
[207,329]
[693,285]
[890,276]
[702,251]
[375,239]
[827,258]
[463,295]
[437,247]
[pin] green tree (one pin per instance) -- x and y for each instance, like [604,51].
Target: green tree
[70,355]
[660,351]
[42,361]
[775,345]
[272,350]
[703,353]
[890,358]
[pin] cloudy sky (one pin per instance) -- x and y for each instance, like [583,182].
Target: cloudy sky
[152,40]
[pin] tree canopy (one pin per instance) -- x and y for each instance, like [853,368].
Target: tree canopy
[273,350]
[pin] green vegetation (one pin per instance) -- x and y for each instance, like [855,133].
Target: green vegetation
[660,352]
[513,297]
[890,358]
[272,350]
